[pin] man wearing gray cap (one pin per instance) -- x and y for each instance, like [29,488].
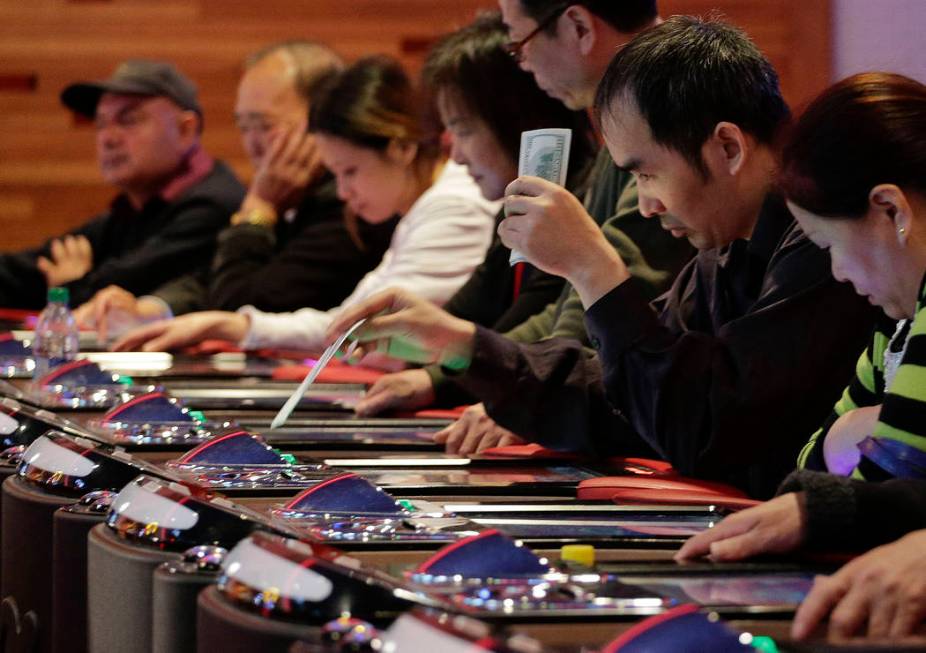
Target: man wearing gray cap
[173,199]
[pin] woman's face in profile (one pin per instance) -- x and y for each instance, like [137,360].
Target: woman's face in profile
[474,145]
[374,184]
[866,252]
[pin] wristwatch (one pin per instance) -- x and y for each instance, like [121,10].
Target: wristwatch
[260,217]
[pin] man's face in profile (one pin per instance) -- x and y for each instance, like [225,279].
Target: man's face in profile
[558,70]
[688,203]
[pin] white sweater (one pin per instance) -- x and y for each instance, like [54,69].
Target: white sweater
[434,249]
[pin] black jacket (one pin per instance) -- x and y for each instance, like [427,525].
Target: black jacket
[309,261]
[138,250]
[725,376]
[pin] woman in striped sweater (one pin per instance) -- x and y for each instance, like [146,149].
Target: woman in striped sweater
[854,172]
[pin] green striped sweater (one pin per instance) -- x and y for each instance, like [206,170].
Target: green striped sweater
[903,405]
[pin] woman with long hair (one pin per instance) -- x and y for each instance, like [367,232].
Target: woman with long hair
[386,162]
[485,101]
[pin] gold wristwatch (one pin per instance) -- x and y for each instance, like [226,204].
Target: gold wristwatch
[260,217]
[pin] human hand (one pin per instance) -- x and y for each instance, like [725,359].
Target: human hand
[410,328]
[184,331]
[71,258]
[290,164]
[882,592]
[474,432]
[840,447]
[114,310]
[776,526]
[550,227]
[403,390]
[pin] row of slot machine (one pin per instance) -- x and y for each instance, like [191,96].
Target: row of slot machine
[147,505]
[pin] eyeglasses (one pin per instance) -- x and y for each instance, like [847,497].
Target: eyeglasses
[514,48]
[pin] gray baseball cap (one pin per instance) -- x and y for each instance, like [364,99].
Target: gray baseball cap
[134,77]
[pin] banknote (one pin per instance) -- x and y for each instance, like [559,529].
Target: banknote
[544,154]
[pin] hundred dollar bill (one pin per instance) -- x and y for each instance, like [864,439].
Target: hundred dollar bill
[544,154]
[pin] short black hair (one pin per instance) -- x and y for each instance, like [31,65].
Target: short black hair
[688,74]
[622,15]
[473,66]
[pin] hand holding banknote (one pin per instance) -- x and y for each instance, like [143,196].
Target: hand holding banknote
[544,154]
[547,225]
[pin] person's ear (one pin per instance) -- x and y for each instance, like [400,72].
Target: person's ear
[189,126]
[578,27]
[888,202]
[726,149]
[401,152]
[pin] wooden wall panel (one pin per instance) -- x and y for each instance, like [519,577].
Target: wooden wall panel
[48,176]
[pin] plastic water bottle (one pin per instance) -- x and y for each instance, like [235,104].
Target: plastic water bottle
[56,334]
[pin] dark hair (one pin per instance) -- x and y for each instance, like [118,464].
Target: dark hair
[622,15]
[866,130]
[688,74]
[372,103]
[473,66]
[313,64]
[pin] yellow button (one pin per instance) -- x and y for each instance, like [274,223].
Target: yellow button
[583,554]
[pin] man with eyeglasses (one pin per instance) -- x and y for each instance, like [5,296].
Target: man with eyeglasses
[728,373]
[567,47]
[288,244]
[173,196]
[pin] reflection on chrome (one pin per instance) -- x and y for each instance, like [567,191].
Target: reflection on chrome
[245,477]
[105,396]
[160,432]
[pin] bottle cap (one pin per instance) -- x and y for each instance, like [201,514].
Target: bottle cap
[583,554]
[59,295]
[198,416]
[764,644]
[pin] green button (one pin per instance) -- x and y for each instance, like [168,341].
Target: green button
[765,644]
[408,505]
[126,380]
[197,416]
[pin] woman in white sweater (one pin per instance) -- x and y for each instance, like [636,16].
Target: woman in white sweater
[386,164]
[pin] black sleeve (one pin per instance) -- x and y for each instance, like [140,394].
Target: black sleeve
[538,290]
[188,239]
[548,392]
[317,267]
[738,404]
[185,294]
[22,285]
[487,298]
[843,513]
[888,510]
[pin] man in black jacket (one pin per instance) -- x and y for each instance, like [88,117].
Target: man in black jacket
[728,373]
[289,244]
[173,196]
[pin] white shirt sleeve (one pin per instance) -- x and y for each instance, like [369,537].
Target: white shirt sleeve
[434,249]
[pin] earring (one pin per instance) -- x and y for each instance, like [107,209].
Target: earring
[901,231]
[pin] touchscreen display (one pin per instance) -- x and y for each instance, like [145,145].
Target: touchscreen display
[787,589]
[597,528]
[352,435]
[494,476]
